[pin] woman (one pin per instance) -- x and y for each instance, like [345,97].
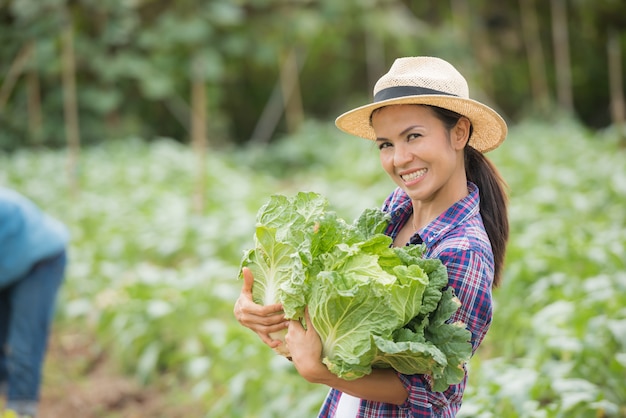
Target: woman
[431,137]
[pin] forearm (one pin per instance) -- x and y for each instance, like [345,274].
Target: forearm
[382,385]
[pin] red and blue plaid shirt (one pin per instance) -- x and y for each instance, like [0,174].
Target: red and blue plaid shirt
[458,238]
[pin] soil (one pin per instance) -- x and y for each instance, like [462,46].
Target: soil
[81,380]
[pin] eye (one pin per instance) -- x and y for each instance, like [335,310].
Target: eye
[413,135]
[383,145]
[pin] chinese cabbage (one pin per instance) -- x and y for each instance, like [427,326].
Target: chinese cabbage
[372,304]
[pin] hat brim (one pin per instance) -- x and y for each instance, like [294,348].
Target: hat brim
[489,128]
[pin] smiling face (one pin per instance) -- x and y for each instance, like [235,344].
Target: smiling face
[421,155]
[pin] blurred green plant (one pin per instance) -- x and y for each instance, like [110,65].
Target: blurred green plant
[156,281]
[136,61]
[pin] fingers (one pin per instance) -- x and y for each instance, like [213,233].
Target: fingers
[295,325]
[262,325]
[245,305]
[263,320]
[246,292]
[266,332]
[307,317]
[269,341]
[248,281]
[246,311]
[291,330]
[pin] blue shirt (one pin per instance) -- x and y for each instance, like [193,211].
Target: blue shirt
[27,236]
[458,238]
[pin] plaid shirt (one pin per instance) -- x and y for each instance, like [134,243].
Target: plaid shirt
[458,238]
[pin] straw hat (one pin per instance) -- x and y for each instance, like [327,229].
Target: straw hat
[430,81]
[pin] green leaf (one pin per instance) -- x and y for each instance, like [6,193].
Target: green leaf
[372,305]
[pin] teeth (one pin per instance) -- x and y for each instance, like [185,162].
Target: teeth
[414,175]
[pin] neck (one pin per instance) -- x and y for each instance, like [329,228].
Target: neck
[424,212]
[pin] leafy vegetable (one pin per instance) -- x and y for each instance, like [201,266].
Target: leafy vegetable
[372,304]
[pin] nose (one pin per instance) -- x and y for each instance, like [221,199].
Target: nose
[402,155]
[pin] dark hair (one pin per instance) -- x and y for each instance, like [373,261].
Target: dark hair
[493,199]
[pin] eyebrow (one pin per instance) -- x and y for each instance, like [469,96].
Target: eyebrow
[410,128]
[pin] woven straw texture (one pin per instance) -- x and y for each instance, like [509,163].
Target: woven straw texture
[489,129]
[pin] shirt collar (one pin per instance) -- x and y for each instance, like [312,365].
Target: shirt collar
[455,215]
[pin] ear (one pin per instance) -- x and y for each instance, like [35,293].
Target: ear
[460,133]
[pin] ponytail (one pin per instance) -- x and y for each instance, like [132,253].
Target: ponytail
[493,200]
[493,204]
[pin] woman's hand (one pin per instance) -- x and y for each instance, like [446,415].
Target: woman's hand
[261,319]
[382,385]
[305,347]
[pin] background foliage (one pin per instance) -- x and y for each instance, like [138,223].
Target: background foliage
[136,61]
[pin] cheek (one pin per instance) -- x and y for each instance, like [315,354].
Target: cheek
[386,160]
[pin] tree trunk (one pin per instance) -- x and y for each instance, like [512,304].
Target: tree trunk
[70,106]
[290,85]
[266,125]
[374,57]
[276,105]
[34,99]
[481,45]
[199,133]
[560,39]
[616,82]
[16,69]
[534,50]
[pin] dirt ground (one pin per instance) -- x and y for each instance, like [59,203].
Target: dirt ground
[83,382]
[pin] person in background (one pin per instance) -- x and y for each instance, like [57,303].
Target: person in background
[431,138]
[33,248]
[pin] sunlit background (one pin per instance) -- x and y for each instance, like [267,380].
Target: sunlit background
[156,129]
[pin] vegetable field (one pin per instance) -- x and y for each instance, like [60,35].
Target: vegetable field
[155,281]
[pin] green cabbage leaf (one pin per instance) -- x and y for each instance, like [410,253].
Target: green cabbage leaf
[373,305]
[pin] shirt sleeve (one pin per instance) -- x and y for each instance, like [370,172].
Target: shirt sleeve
[27,235]
[396,198]
[471,276]
[422,402]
